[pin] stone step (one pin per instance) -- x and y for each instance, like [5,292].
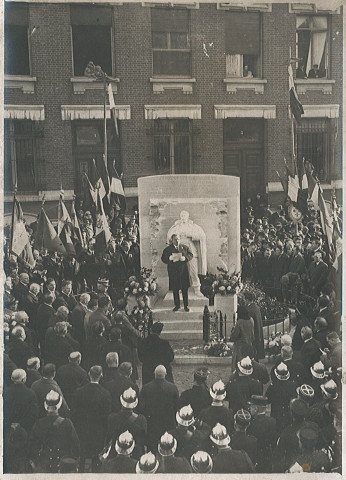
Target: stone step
[194,300]
[185,334]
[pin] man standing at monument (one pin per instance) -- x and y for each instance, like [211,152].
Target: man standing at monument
[176,256]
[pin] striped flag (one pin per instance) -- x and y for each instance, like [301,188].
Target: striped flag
[102,230]
[112,108]
[96,180]
[295,105]
[20,239]
[65,232]
[117,193]
[292,184]
[77,233]
[327,223]
[46,236]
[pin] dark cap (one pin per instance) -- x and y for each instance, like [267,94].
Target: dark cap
[157,327]
[259,400]
[242,417]
[299,407]
[201,373]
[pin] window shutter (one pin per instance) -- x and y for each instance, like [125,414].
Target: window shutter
[163,20]
[243,33]
[16,14]
[91,15]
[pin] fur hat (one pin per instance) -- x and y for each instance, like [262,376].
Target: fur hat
[330,389]
[185,416]
[282,372]
[219,435]
[128,398]
[245,366]
[317,370]
[125,443]
[201,462]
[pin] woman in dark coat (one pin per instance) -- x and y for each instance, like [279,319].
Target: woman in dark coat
[255,313]
[243,332]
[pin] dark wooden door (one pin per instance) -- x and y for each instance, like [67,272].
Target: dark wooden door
[246,163]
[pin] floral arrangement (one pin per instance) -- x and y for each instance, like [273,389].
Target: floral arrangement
[273,345]
[218,348]
[222,283]
[271,308]
[140,317]
[143,284]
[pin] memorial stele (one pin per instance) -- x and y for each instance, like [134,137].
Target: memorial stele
[203,209]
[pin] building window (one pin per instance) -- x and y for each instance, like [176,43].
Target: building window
[88,144]
[91,38]
[170,42]
[243,44]
[312,46]
[172,146]
[313,143]
[23,151]
[16,43]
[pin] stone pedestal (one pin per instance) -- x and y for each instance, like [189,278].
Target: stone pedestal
[227,304]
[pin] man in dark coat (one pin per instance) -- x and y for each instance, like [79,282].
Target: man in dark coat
[71,376]
[45,313]
[66,297]
[77,319]
[59,345]
[114,344]
[310,351]
[298,372]
[122,462]
[318,272]
[154,351]
[158,401]
[321,331]
[241,386]
[32,371]
[117,386]
[218,412]
[240,439]
[18,350]
[20,403]
[169,463]
[21,290]
[198,396]
[263,427]
[255,313]
[31,304]
[176,256]
[44,385]
[90,410]
[100,314]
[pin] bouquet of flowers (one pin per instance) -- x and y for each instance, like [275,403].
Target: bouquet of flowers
[218,348]
[143,284]
[225,283]
[273,345]
[140,318]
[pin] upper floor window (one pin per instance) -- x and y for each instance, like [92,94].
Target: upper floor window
[16,43]
[170,42]
[312,46]
[22,152]
[91,38]
[172,146]
[243,44]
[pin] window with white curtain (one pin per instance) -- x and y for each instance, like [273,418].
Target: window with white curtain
[312,45]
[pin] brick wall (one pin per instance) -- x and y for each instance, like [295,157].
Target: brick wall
[51,60]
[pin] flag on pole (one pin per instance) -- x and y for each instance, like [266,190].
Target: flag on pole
[327,223]
[20,239]
[295,105]
[46,236]
[117,193]
[96,180]
[92,190]
[292,184]
[77,233]
[302,201]
[112,108]
[65,227]
[102,230]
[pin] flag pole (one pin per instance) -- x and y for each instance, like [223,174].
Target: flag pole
[105,152]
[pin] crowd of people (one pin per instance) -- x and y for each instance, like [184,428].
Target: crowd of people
[73,401]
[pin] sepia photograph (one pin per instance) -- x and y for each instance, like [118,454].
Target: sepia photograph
[172,225]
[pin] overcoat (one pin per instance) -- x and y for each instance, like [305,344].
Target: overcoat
[154,351]
[178,272]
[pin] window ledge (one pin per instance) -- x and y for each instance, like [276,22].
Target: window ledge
[80,84]
[166,83]
[25,82]
[305,84]
[234,84]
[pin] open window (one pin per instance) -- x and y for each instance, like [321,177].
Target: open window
[312,46]
[91,38]
[243,45]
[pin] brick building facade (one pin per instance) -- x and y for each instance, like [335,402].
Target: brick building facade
[185,99]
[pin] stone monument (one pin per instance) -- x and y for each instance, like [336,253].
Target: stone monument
[205,209]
